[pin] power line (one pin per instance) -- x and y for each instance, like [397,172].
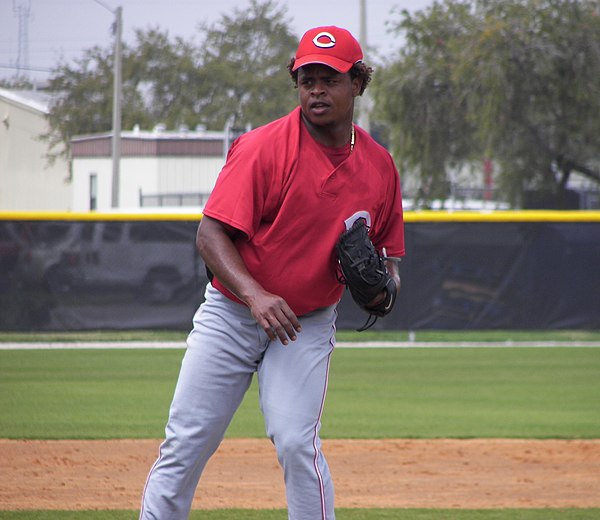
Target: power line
[103,4]
[18,68]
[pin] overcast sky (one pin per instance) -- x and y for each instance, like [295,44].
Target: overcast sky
[62,29]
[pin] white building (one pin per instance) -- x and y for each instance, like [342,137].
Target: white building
[157,168]
[27,181]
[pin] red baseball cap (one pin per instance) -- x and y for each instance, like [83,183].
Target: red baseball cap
[329,45]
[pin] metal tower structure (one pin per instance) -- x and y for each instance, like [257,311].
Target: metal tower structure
[22,10]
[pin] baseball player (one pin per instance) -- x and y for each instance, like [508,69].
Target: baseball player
[268,234]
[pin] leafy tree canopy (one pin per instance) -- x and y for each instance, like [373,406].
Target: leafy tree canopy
[17,83]
[515,81]
[243,66]
[236,75]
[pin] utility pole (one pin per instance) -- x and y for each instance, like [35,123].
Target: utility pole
[116,123]
[366,103]
[117,91]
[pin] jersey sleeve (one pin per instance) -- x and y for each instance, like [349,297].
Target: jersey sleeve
[390,235]
[242,187]
[249,188]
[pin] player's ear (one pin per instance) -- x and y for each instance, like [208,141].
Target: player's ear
[356,86]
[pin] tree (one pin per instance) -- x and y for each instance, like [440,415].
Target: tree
[16,83]
[244,58]
[416,98]
[515,81]
[166,76]
[154,71]
[236,74]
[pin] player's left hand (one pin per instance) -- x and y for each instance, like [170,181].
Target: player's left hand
[393,272]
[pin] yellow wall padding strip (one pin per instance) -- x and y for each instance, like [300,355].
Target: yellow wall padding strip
[96,216]
[503,216]
[409,216]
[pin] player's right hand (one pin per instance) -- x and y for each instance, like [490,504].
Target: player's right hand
[274,315]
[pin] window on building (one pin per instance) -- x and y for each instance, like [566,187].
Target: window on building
[93,191]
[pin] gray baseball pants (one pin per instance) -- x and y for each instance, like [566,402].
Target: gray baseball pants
[225,348]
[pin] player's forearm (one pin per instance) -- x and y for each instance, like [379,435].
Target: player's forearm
[216,247]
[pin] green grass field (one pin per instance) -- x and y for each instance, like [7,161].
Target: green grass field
[374,393]
[342,335]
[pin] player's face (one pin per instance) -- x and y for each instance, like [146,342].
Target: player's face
[326,96]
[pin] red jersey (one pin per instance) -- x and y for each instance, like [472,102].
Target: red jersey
[281,190]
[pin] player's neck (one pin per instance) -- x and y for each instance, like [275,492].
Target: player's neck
[333,135]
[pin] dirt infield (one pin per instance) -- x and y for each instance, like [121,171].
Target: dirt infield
[491,473]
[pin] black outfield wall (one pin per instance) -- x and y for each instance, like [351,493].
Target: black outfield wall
[504,270]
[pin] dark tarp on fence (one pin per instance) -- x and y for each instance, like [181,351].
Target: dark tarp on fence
[86,275]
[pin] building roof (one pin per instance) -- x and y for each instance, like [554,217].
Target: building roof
[33,99]
[158,133]
[158,142]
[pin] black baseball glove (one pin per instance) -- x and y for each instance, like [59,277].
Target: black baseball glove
[363,271]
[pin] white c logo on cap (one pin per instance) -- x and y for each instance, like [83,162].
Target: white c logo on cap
[326,45]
